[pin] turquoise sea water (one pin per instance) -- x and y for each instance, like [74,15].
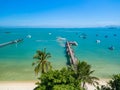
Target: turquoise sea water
[16,59]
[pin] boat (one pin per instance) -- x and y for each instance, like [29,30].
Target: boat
[73,43]
[29,36]
[61,39]
[106,36]
[111,48]
[83,35]
[98,41]
[115,35]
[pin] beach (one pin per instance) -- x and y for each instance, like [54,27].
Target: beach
[16,59]
[30,85]
[101,82]
[19,59]
[22,85]
[34,36]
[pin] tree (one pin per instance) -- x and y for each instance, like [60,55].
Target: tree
[83,73]
[41,64]
[58,80]
[64,87]
[115,82]
[103,87]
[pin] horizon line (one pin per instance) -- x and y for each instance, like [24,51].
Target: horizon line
[60,26]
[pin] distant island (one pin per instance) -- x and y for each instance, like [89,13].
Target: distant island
[112,27]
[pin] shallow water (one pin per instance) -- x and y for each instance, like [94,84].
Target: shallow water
[16,59]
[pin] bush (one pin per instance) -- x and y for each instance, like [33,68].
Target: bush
[58,80]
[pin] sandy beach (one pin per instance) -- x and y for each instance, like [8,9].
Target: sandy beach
[10,85]
[101,82]
[30,85]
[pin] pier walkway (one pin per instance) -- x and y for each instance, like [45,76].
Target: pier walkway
[10,42]
[70,53]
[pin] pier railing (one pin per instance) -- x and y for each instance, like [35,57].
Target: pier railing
[70,53]
[10,42]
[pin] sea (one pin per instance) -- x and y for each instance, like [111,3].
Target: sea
[99,47]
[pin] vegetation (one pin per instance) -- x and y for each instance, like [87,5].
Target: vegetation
[83,73]
[58,80]
[113,84]
[73,77]
[42,64]
[69,78]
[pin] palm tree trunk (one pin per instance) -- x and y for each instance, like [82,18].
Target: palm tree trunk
[83,84]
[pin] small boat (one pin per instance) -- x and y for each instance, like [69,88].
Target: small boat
[76,33]
[29,36]
[111,48]
[61,39]
[114,34]
[97,35]
[49,33]
[73,43]
[106,36]
[98,41]
[83,35]
[7,32]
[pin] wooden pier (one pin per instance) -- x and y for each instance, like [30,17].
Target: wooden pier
[10,42]
[70,53]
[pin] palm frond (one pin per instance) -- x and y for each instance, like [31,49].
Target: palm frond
[33,63]
[42,63]
[36,70]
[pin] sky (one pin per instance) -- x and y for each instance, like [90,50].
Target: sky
[59,13]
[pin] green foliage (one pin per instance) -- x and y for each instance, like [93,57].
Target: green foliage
[64,87]
[41,64]
[115,82]
[103,87]
[57,80]
[72,78]
[83,73]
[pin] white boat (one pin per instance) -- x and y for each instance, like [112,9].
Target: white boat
[61,39]
[29,36]
[98,41]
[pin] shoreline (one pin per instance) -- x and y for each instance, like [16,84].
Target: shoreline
[30,85]
[17,85]
[101,82]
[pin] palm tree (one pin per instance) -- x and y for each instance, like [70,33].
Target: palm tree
[41,64]
[115,82]
[83,73]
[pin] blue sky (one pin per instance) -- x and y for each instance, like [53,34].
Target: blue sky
[59,13]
